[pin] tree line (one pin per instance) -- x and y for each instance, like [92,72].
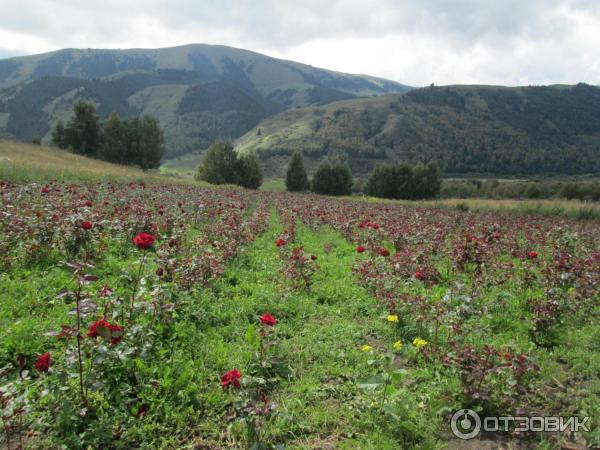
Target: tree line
[222,165]
[131,141]
[395,181]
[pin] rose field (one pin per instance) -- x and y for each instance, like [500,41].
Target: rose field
[168,316]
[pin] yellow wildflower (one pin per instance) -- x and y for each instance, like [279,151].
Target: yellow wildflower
[418,342]
[392,318]
[398,346]
[366,348]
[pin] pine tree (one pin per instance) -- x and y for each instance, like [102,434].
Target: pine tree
[58,135]
[250,174]
[152,143]
[82,133]
[113,147]
[295,177]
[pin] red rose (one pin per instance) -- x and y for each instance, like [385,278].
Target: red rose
[313,257]
[231,377]
[160,272]
[360,249]
[144,240]
[87,225]
[280,242]
[113,332]
[268,319]
[419,275]
[532,255]
[88,203]
[45,190]
[43,362]
[383,252]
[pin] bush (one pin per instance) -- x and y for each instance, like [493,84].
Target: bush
[250,174]
[221,165]
[332,179]
[403,181]
[295,177]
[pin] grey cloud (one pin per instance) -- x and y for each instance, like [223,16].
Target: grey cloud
[456,27]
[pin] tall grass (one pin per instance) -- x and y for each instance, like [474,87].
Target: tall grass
[23,163]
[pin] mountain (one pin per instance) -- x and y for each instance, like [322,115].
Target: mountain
[467,129]
[198,92]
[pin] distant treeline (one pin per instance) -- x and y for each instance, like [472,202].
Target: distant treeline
[135,141]
[544,189]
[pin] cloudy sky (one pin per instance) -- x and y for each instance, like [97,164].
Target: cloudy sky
[512,42]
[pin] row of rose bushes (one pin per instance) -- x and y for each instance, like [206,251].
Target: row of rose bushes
[172,240]
[440,272]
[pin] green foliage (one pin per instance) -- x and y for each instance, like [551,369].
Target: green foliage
[295,177]
[222,165]
[401,181]
[59,136]
[250,174]
[518,189]
[82,133]
[136,141]
[332,179]
[466,129]
[218,165]
[114,140]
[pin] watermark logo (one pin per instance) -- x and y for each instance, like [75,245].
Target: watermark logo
[466,424]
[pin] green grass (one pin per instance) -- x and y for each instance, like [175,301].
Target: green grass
[273,185]
[23,163]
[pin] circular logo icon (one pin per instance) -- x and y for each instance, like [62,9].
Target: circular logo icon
[465,424]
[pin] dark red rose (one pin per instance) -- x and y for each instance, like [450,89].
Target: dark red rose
[43,362]
[144,240]
[420,275]
[231,378]
[383,252]
[360,249]
[87,225]
[268,319]
[160,272]
[313,257]
[105,329]
[280,242]
[532,255]
[88,203]
[45,190]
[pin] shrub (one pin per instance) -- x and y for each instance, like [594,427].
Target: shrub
[295,177]
[221,165]
[404,181]
[332,179]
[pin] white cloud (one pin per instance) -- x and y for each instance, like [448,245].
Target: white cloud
[412,41]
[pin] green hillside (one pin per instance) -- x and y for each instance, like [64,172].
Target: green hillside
[198,92]
[467,129]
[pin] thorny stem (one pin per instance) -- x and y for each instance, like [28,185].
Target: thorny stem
[136,283]
[79,359]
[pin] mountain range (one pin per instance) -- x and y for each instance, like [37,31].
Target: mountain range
[466,129]
[199,93]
